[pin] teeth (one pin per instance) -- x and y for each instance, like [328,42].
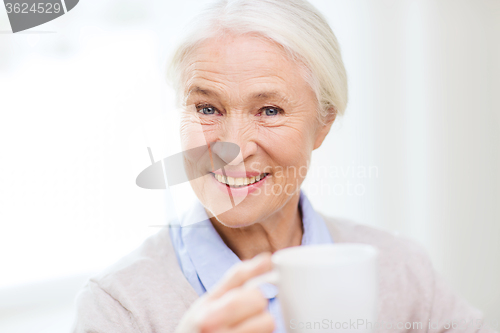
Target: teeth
[238,182]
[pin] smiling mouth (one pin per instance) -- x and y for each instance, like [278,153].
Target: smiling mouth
[238,182]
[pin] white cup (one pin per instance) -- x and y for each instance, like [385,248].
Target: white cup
[326,288]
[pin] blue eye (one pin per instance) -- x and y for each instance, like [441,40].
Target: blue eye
[207,110]
[272,111]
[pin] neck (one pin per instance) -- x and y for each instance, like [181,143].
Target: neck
[281,229]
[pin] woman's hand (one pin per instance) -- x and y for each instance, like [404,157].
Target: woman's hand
[229,307]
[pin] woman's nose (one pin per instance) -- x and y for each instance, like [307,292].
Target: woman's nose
[240,133]
[224,153]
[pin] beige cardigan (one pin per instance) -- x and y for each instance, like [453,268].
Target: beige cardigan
[146,290]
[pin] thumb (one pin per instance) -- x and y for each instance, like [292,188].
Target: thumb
[242,272]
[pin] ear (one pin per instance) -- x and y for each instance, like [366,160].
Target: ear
[323,129]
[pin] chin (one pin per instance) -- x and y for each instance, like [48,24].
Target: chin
[231,211]
[238,217]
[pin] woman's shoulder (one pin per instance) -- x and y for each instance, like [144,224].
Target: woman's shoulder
[406,273]
[147,280]
[389,242]
[154,255]
[154,261]
[409,287]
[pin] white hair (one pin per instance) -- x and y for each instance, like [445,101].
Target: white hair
[296,25]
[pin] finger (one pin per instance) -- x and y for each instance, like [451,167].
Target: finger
[236,306]
[262,323]
[242,272]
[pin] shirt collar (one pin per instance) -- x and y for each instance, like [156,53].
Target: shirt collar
[315,229]
[212,258]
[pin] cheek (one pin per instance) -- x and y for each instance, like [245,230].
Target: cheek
[195,140]
[193,133]
[290,150]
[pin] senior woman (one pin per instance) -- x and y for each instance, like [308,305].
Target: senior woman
[267,76]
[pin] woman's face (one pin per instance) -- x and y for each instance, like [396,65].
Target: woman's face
[245,91]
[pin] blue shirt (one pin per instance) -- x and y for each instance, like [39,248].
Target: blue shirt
[204,257]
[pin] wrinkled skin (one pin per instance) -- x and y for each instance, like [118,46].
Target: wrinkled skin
[228,73]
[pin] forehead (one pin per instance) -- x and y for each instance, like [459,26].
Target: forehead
[243,62]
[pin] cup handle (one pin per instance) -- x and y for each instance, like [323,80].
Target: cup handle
[269,277]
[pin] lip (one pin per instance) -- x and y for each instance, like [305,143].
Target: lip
[240,191]
[238,174]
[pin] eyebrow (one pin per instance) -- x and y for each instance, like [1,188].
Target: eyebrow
[269,94]
[201,91]
[256,96]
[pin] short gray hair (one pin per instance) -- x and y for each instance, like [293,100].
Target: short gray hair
[296,25]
